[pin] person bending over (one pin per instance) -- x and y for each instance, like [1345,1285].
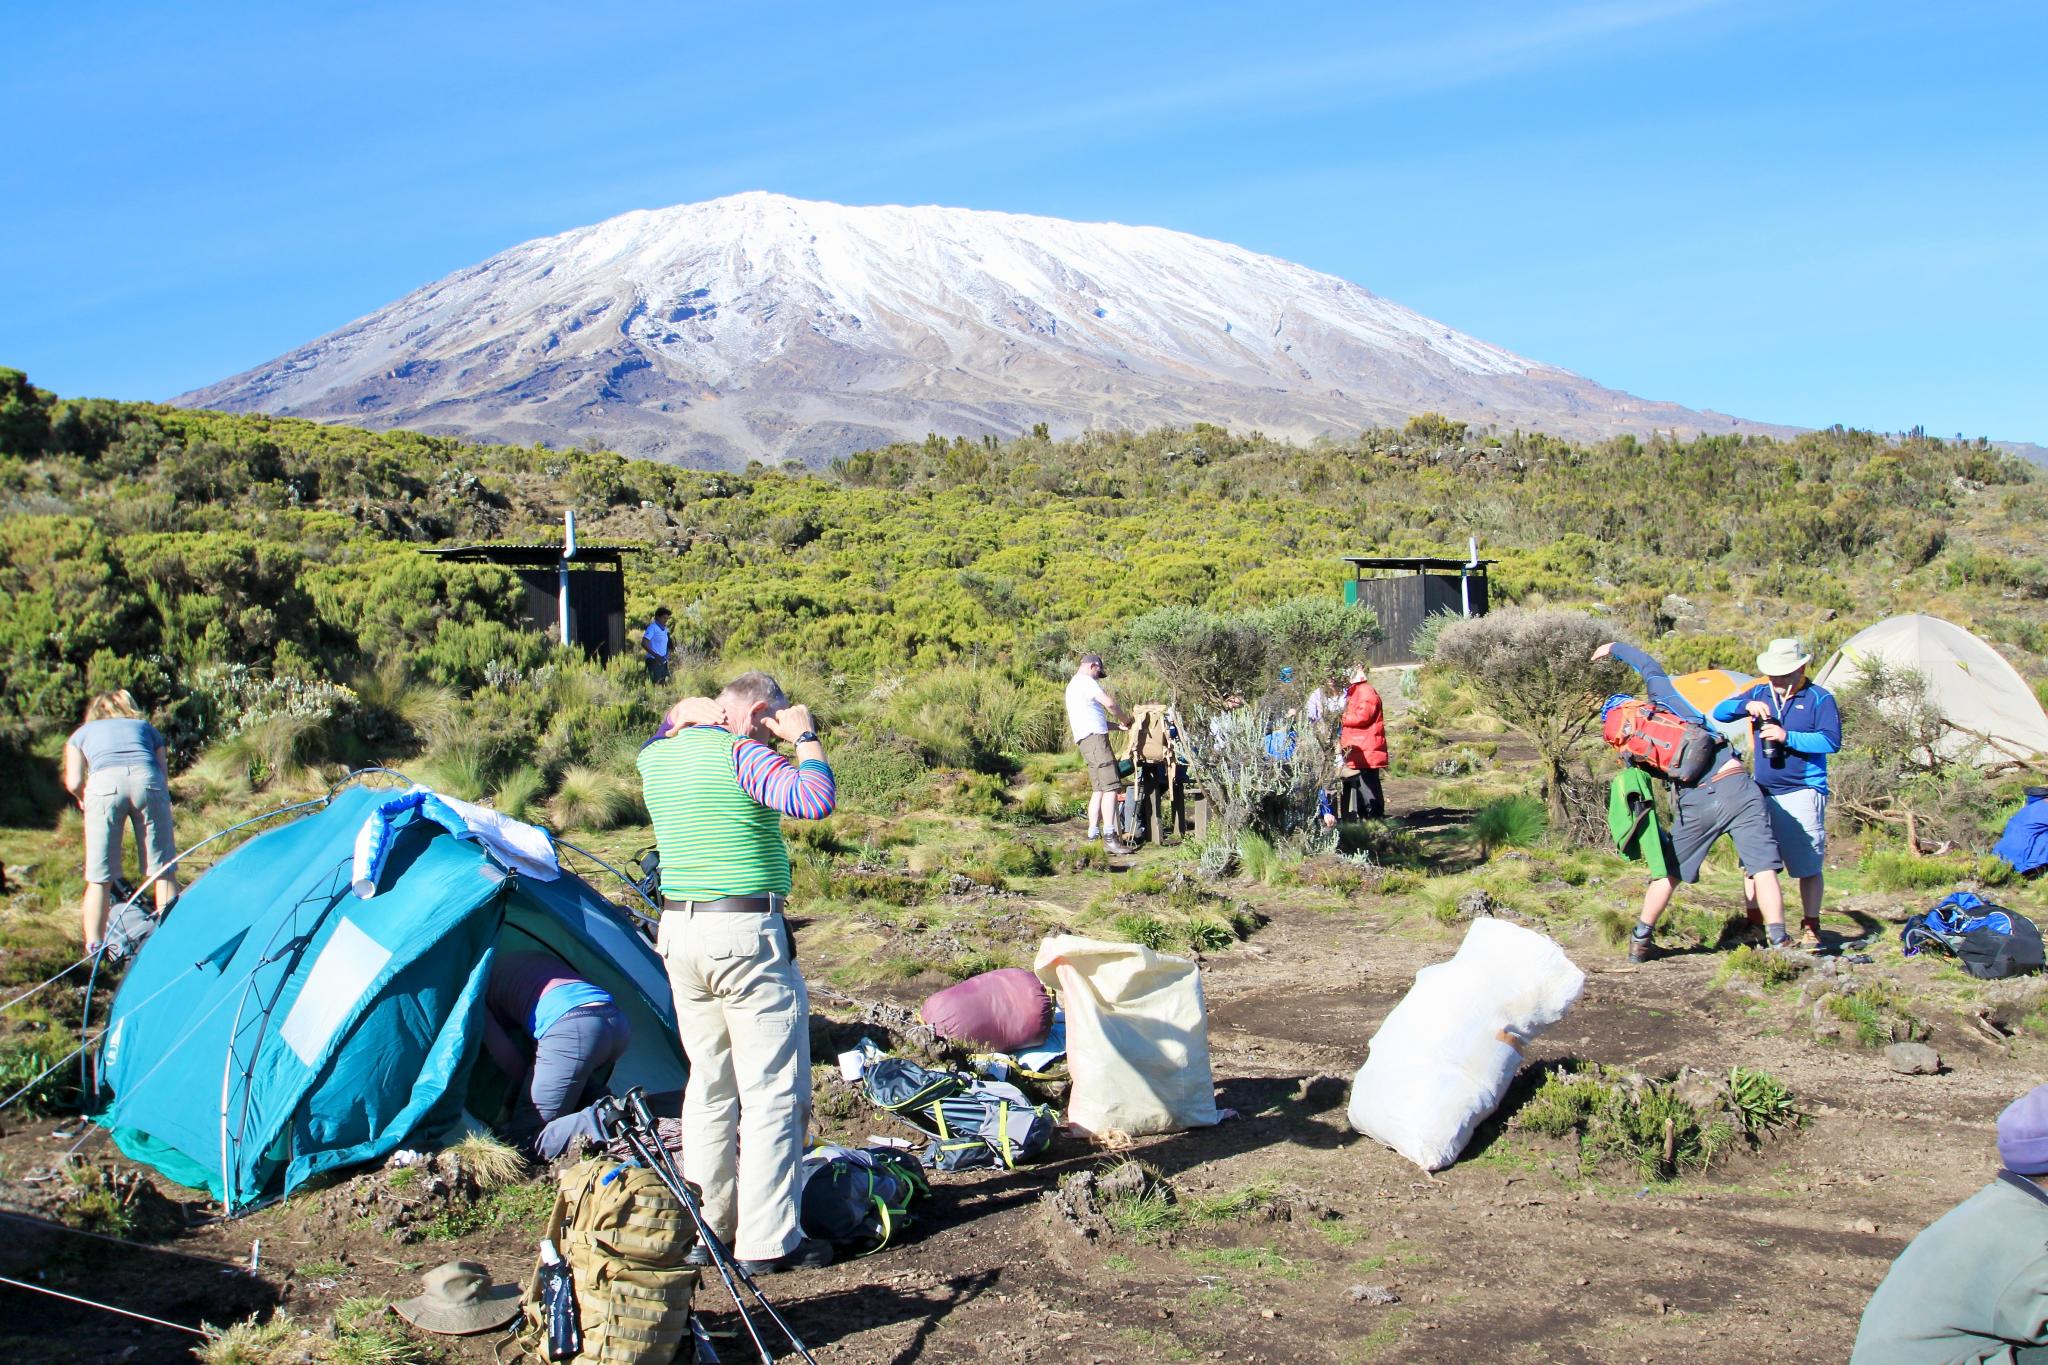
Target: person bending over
[556,1036]
[1725,801]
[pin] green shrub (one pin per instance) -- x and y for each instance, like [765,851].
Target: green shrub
[1510,822]
[976,794]
[1760,1100]
[1640,1122]
[1040,803]
[1772,969]
[1878,1012]
[1204,934]
[1891,870]
[1144,930]
[1389,843]
[591,799]
[1257,858]
[876,776]
[519,792]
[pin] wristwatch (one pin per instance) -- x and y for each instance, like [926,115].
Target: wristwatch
[808,737]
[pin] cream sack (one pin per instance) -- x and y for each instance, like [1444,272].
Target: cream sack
[1443,1059]
[1137,1037]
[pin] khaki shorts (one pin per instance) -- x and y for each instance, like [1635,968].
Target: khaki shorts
[1102,773]
[1799,822]
[118,796]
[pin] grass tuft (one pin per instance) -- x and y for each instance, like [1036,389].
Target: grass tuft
[491,1164]
[1509,822]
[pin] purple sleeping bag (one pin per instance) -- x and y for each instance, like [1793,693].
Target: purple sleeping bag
[1007,1010]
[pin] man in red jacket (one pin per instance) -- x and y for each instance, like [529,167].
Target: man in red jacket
[1362,744]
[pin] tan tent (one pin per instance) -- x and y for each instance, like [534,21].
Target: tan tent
[1969,680]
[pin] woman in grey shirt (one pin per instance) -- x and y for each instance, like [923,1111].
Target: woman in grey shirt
[114,769]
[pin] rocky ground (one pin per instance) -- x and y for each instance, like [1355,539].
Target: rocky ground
[1294,1239]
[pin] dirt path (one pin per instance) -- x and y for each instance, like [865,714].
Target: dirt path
[1509,1255]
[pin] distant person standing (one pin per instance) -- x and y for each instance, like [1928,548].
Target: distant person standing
[717,794]
[1089,711]
[654,646]
[1362,744]
[114,768]
[1797,725]
[556,1036]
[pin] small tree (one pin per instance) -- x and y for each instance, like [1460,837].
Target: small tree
[1533,671]
[1904,764]
[1222,674]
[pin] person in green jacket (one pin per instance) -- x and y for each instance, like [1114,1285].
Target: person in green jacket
[1973,1286]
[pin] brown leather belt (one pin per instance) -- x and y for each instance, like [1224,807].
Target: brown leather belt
[735,905]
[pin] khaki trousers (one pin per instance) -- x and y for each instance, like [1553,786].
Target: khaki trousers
[745,1020]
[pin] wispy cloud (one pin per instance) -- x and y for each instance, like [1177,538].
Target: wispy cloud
[1450,60]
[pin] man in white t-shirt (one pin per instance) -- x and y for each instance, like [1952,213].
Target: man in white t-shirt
[1089,710]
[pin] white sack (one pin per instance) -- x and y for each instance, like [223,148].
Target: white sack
[1137,1036]
[1445,1056]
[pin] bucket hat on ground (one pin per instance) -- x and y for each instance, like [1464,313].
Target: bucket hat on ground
[460,1299]
[1782,656]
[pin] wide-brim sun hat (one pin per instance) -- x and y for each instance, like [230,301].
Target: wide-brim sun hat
[459,1300]
[1782,656]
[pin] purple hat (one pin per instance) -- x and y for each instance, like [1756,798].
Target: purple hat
[2023,1133]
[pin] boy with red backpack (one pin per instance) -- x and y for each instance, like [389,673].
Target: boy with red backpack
[1711,795]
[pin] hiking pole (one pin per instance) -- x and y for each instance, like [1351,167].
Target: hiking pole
[613,1120]
[643,1120]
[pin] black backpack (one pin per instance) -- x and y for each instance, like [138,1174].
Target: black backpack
[1988,941]
[859,1198]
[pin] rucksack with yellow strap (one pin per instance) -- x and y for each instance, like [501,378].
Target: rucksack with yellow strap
[624,1237]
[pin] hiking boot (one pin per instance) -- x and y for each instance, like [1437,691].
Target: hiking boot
[1643,949]
[1115,847]
[809,1254]
[1809,935]
[699,1257]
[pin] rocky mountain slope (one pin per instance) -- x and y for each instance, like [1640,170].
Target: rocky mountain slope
[763,327]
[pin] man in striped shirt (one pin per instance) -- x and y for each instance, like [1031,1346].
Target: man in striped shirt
[717,793]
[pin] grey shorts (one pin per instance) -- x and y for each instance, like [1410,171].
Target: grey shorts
[1734,806]
[1799,820]
[1101,760]
[130,796]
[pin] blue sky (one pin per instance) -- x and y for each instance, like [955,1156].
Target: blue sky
[1803,211]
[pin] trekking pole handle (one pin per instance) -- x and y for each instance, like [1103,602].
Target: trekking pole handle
[636,1104]
[608,1117]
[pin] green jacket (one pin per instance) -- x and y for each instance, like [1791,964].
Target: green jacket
[1650,844]
[1972,1287]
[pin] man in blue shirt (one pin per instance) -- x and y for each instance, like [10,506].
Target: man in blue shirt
[1797,726]
[1722,802]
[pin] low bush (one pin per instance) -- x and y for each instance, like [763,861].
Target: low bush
[1510,822]
[1631,1119]
[1892,870]
[1878,1013]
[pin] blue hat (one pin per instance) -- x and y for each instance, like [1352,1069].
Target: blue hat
[1617,699]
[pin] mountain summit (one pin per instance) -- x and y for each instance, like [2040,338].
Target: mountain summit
[763,327]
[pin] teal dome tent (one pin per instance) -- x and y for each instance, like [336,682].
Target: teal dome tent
[281,1023]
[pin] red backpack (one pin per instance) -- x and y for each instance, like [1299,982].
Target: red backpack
[1661,741]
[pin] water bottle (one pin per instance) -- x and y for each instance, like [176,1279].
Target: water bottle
[558,1304]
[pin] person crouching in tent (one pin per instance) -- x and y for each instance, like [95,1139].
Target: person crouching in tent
[556,1036]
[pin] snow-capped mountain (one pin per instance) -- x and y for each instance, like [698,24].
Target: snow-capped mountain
[762,327]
